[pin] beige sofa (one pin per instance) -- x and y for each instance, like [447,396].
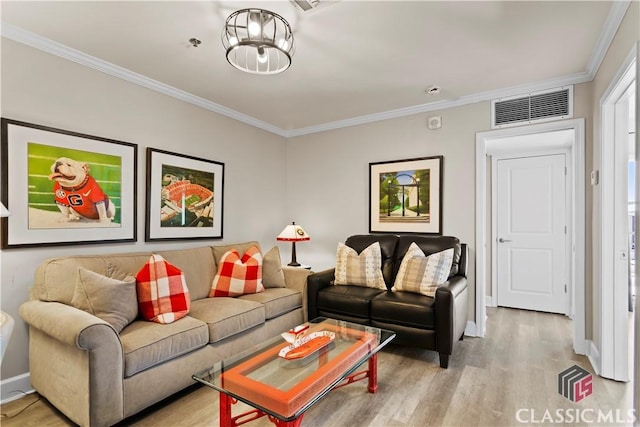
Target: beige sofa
[98,377]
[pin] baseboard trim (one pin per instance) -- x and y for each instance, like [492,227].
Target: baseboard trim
[488,301]
[470,330]
[15,387]
[594,357]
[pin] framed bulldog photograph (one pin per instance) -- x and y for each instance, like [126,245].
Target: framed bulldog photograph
[184,197]
[405,196]
[64,188]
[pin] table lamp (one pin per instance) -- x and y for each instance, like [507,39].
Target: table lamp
[293,233]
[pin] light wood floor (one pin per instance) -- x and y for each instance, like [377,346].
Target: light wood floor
[489,380]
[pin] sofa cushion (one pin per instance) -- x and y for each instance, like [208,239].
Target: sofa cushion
[347,300]
[227,316]
[198,266]
[430,245]
[272,274]
[110,299]
[220,250]
[388,245]
[276,301]
[404,308]
[147,344]
[423,274]
[238,275]
[163,295]
[363,269]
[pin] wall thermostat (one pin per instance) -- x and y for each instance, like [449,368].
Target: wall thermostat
[434,122]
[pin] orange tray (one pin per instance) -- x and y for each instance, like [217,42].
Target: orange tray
[287,402]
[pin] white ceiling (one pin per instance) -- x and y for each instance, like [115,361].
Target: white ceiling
[355,61]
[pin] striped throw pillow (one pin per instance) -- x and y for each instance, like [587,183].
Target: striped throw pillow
[163,296]
[359,270]
[423,274]
[238,275]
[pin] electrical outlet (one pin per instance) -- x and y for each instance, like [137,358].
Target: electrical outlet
[595,177]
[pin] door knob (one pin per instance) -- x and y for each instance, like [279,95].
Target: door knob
[501,240]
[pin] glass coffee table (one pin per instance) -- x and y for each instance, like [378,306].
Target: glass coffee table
[282,380]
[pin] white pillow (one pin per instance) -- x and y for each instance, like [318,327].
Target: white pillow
[423,274]
[359,270]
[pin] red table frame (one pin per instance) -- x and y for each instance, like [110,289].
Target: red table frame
[226,401]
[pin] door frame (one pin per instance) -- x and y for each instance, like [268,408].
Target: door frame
[489,143]
[611,359]
[558,147]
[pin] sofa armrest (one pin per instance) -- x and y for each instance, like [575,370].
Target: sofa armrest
[66,324]
[315,282]
[296,278]
[70,349]
[451,313]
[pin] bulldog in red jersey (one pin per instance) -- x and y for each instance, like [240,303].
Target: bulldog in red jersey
[77,193]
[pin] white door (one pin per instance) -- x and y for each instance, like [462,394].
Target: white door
[531,233]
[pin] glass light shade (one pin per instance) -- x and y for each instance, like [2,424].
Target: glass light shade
[293,233]
[258,41]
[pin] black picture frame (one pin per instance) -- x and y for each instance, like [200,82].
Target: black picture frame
[185,197]
[93,206]
[405,196]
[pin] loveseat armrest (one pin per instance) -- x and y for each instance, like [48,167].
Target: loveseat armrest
[296,278]
[315,282]
[451,313]
[76,361]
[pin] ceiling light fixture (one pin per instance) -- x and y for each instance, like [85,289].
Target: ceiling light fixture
[258,41]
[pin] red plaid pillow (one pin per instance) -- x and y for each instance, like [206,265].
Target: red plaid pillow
[163,295]
[238,276]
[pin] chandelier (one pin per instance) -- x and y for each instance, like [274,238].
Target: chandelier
[258,41]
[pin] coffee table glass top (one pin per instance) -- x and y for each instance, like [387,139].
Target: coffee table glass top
[285,388]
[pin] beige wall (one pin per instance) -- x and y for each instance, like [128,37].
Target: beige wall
[331,171]
[44,89]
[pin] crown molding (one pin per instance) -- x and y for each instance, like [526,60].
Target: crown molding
[613,21]
[28,38]
[609,30]
[441,105]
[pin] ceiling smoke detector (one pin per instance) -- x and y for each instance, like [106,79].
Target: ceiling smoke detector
[432,90]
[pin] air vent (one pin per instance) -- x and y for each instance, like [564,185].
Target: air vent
[535,107]
[309,5]
[306,4]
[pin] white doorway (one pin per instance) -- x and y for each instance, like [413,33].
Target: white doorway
[529,199]
[500,142]
[614,255]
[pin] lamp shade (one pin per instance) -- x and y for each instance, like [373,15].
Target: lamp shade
[3,211]
[293,233]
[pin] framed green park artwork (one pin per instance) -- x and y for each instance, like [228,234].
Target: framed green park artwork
[405,196]
[65,188]
[184,197]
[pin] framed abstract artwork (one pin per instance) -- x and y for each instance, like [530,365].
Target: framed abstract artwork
[185,197]
[405,196]
[65,188]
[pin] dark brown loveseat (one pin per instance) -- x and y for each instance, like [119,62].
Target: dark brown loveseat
[433,323]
